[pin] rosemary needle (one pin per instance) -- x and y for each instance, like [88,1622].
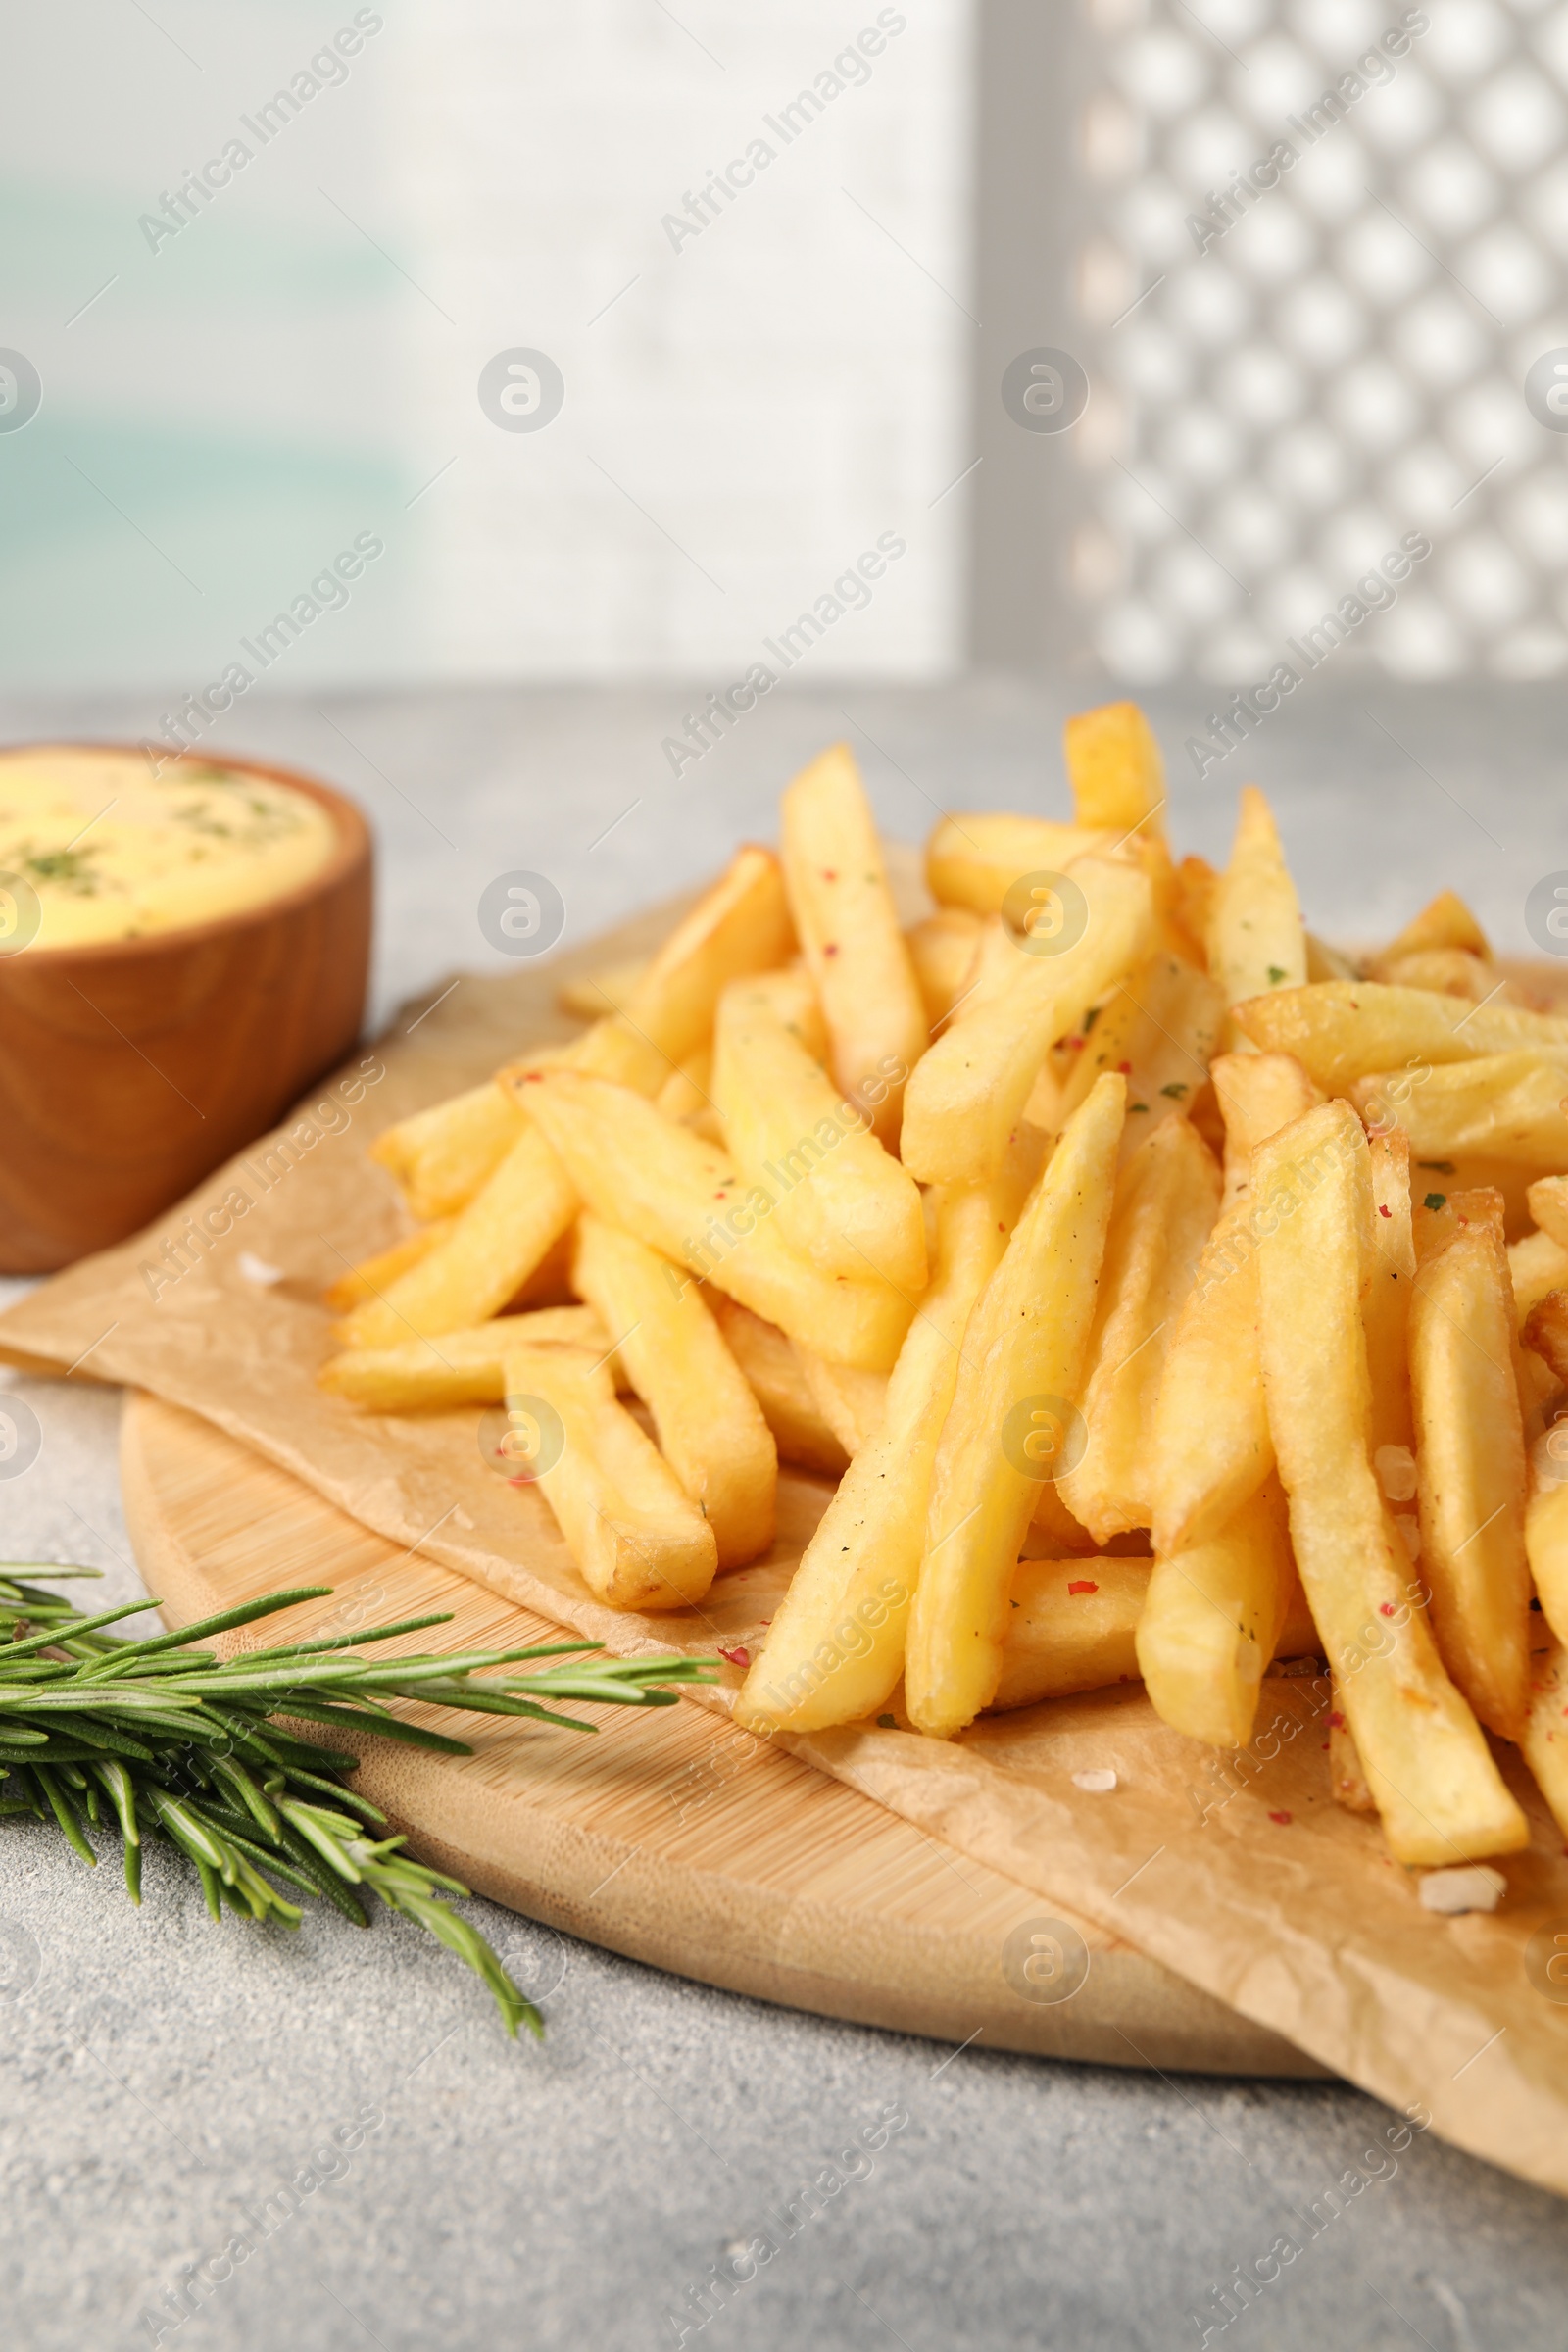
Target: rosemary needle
[164,1736]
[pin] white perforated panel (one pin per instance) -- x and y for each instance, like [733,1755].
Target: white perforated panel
[1344,361]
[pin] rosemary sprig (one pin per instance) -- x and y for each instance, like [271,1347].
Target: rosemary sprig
[165,1737]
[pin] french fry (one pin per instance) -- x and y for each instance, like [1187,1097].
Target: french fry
[1023,1348]
[835,1650]
[973,861]
[513,1222]
[1343,1030]
[1347,1777]
[687,1095]
[1470,1462]
[1545,1739]
[637,1538]
[1544,1330]
[854,1404]
[1160,1028]
[1210,1443]
[1385,1309]
[1536,1263]
[1255,939]
[944,949]
[441,1156]
[1448,971]
[842,1201]
[1071,1625]
[591,994]
[970,1091]
[1325,963]
[1446,922]
[1167,1196]
[767,1359]
[1196,883]
[849,935]
[372,1274]
[1437,1789]
[710,1428]
[1549,1206]
[1114,769]
[683,1198]
[525,1203]
[462,1367]
[1213,1620]
[1505,1107]
[1546,1545]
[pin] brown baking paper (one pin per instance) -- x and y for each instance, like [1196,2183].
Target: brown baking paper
[1243,1877]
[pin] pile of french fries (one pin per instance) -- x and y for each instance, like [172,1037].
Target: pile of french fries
[1165,1294]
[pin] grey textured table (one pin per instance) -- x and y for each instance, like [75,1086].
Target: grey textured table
[163,2078]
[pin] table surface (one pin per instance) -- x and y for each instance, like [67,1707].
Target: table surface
[161,2080]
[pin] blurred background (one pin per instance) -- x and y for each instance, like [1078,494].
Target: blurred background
[1138,330]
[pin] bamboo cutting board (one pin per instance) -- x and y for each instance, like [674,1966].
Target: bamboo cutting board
[667,1835]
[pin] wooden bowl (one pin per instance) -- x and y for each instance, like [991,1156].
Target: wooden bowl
[131,1069]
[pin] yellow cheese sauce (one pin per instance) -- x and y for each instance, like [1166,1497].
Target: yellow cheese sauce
[108,851]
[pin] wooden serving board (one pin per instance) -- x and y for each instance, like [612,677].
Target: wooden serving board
[667,1835]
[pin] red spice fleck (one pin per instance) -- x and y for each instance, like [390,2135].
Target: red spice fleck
[1385,1608]
[1126,1068]
[736,1657]
[533,1077]
[1325,1744]
[1336,1721]
[832,948]
[1385,1212]
[1083,1583]
[830,873]
[1076,1045]
[1282,1818]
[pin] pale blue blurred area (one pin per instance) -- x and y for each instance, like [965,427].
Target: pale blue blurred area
[218,414]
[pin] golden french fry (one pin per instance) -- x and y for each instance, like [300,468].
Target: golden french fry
[1160,1028]
[372,1274]
[1546,1330]
[1549,1206]
[1167,1196]
[850,935]
[1071,1625]
[968,1094]
[1210,1443]
[1023,1360]
[1536,1263]
[460,1367]
[687,1095]
[1448,971]
[589,995]
[441,1156]
[710,1428]
[1213,1620]
[1255,939]
[841,1200]
[513,1222]
[1544,1739]
[835,1650]
[854,1404]
[975,860]
[741,926]
[1386,1308]
[944,949]
[1505,1107]
[1470,1462]
[637,1538]
[1114,769]
[1341,1030]
[1347,1777]
[1446,922]
[1325,963]
[660,1182]
[1196,883]
[1438,1791]
[767,1359]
